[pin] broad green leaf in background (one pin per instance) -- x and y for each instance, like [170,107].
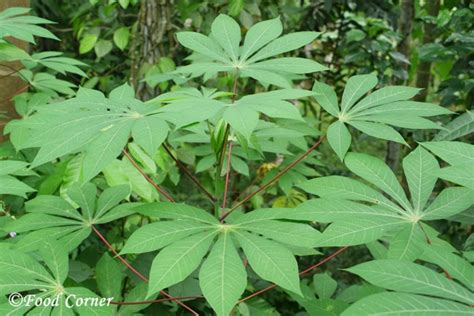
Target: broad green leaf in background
[121,37]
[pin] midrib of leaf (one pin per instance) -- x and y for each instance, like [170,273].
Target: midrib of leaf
[234,58]
[56,267]
[405,249]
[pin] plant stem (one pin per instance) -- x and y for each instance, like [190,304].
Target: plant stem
[150,180]
[274,179]
[183,168]
[135,271]
[226,132]
[227,176]
[320,263]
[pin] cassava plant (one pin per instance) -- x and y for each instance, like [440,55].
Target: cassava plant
[114,163]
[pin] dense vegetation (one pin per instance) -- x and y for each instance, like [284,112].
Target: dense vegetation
[237,158]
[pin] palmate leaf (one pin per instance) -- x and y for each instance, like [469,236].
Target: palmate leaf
[394,218]
[185,234]
[94,124]
[190,107]
[15,23]
[20,272]
[222,52]
[374,113]
[52,217]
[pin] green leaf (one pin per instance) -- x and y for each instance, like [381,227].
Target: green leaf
[268,77]
[378,173]
[87,43]
[150,132]
[295,234]
[401,120]
[284,44]
[411,108]
[56,258]
[411,278]
[222,277]
[449,202]
[326,97]
[461,174]
[271,261]
[457,267]
[235,7]
[420,171]
[84,196]
[16,263]
[460,126]
[455,153]
[109,277]
[294,65]
[241,119]
[384,96]
[105,148]
[407,243]
[121,37]
[109,198]
[227,33]
[378,130]
[339,138]
[338,187]
[53,205]
[178,260]
[355,88]
[259,35]
[102,48]
[155,236]
[390,303]
[176,211]
[202,44]
[357,231]
[324,285]
[10,185]
[327,210]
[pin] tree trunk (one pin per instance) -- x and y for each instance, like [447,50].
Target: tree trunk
[10,85]
[423,74]
[154,23]
[405,24]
